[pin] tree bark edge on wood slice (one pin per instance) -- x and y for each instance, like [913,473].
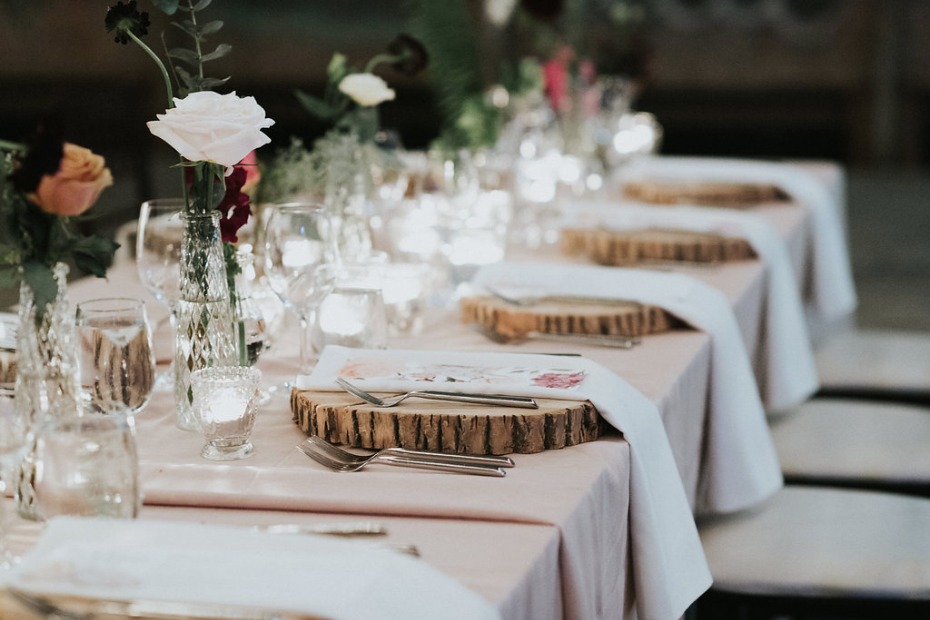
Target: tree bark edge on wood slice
[608,319]
[629,247]
[446,427]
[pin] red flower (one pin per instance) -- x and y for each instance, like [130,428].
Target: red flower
[236,206]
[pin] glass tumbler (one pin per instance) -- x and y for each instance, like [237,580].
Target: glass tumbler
[225,403]
[88,467]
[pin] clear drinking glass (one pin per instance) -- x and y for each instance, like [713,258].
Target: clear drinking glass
[117,363]
[14,437]
[299,263]
[225,402]
[90,467]
[158,256]
[352,317]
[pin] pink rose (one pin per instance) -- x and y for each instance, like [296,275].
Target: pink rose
[76,186]
[253,174]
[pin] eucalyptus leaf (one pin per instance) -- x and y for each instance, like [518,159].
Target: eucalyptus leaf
[202,5]
[187,26]
[211,83]
[184,54]
[221,50]
[169,7]
[211,28]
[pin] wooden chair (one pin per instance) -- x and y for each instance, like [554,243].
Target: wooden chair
[819,552]
[876,364]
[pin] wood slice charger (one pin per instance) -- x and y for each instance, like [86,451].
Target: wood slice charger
[718,194]
[602,319]
[628,247]
[444,426]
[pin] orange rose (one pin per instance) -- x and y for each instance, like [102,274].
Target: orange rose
[77,184]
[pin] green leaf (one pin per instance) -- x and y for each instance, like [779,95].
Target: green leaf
[9,254]
[187,26]
[202,5]
[211,28]
[315,106]
[167,6]
[184,54]
[221,50]
[212,83]
[337,68]
[10,277]
[40,279]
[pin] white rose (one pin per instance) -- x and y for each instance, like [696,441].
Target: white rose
[208,126]
[366,89]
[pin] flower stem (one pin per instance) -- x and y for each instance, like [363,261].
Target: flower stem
[380,58]
[161,66]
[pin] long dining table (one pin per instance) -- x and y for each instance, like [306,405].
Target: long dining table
[505,539]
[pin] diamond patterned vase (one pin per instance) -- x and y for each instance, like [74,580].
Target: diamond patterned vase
[47,375]
[205,324]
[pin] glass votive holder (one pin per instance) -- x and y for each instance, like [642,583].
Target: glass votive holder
[352,317]
[88,466]
[225,403]
[405,289]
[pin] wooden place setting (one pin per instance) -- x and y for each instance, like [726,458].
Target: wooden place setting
[716,194]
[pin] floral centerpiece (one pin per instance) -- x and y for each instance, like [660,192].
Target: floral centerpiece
[212,133]
[341,165]
[44,186]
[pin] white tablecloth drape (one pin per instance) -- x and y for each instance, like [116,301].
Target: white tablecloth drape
[788,376]
[740,464]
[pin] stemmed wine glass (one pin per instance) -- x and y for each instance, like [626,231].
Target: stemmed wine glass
[14,438]
[158,255]
[117,363]
[299,255]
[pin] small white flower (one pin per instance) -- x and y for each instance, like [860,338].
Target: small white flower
[208,126]
[366,89]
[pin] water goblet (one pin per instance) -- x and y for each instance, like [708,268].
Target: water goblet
[225,402]
[14,438]
[117,363]
[299,263]
[158,255]
[90,467]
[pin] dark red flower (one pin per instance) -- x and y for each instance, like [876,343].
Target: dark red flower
[44,152]
[126,18]
[412,56]
[236,206]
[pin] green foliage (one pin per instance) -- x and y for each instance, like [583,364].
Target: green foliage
[187,64]
[448,33]
[292,172]
[32,242]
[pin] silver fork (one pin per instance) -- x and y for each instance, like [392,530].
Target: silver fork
[318,451]
[465,459]
[498,400]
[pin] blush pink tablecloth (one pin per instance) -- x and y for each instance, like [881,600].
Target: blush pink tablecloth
[574,499]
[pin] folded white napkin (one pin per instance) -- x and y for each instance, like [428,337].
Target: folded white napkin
[669,568]
[789,374]
[229,566]
[833,291]
[740,466]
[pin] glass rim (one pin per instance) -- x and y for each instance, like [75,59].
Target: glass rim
[129,303]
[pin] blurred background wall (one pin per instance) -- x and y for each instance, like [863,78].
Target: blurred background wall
[845,80]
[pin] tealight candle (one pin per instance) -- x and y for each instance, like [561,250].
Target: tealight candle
[225,406]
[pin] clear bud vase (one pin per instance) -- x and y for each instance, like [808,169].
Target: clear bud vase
[205,324]
[47,376]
